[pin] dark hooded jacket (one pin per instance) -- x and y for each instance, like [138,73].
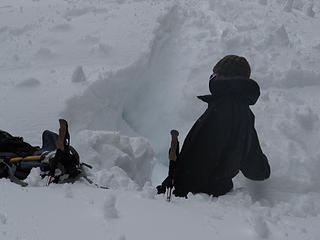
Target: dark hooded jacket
[223,140]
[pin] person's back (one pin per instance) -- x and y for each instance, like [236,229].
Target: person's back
[223,140]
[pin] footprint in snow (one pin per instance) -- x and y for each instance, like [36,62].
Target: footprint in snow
[3,218]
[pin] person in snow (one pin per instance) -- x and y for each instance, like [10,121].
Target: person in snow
[223,141]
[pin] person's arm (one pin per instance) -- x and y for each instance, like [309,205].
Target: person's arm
[256,165]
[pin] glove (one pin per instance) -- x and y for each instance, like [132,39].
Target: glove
[167,183]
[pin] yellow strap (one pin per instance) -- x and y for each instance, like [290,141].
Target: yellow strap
[29,158]
[32,158]
[16,159]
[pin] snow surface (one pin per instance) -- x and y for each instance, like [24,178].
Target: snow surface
[126,72]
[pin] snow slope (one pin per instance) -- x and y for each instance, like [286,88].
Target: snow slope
[116,68]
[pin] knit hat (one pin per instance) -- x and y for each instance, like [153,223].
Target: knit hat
[233,66]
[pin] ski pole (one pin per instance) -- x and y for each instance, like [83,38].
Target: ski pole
[93,183]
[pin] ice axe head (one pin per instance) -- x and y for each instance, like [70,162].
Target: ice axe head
[174,133]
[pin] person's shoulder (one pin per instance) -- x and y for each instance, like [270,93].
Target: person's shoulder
[227,100]
[222,107]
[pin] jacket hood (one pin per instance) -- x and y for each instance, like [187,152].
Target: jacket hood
[247,89]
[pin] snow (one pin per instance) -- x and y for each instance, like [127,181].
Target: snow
[78,75]
[105,150]
[110,210]
[124,73]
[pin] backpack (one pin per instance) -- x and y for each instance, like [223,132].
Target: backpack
[66,161]
[11,147]
[11,144]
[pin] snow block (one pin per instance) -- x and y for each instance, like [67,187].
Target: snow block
[115,178]
[106,150]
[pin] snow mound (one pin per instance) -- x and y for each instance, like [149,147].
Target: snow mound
[64,27]
[78,75]
[3,218]
[260,226]
[116,157]
[44,54]
[148,191]
[115,178]
[34,179]
[109,208]
[28,83]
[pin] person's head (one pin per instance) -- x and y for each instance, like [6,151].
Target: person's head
[232,66]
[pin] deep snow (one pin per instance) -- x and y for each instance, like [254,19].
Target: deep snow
[124,68]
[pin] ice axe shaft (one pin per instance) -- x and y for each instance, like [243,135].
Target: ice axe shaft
[174,145]
[173,158]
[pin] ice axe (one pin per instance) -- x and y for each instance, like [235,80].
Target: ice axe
[172,160]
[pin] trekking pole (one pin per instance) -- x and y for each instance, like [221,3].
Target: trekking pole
[93,183]
[169,194]
[49,180]
[172,160]
[52,167]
